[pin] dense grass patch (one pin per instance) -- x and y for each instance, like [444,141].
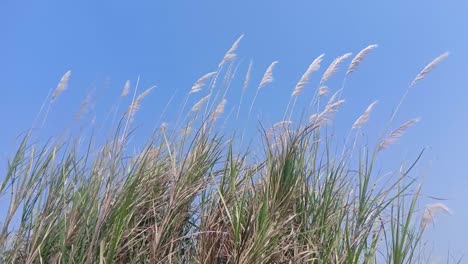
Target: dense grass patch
[198,194]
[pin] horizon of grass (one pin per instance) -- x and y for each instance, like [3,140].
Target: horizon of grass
[193,195]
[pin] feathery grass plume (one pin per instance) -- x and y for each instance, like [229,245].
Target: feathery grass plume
[334,67]
[325,116]
[62,85]
[431,210]
[358,58]
[231,53]
[201,82]
[279,125]
[428,68]
[396,134]
[135,105]
[219,110]
[323,90]
[364,117]
[83,107]
[268,76]
[314,66]
[200,103]
[244,87]
[126,89]
[164,125]
[247,77]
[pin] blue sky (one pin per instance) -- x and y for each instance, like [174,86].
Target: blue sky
[172,43]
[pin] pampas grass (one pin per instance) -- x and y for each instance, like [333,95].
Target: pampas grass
[197,106]
[334,66]
[268,76]
[62,85]
[231,53]
[135,105]
[244,86]
[323,90]
[314,66]
[201,82]
[396,134]
[358,58]
[431,210]
[266,79]
[219,110]
[126,89]
[83,107]
[195,193]
[365,116]
[428,68]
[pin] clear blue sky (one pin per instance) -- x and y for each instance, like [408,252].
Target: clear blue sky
[172,43]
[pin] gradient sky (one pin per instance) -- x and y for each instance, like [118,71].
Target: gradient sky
[172,43]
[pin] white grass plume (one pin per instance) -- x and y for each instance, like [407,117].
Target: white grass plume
[325,116]
[314,66]
[197,106]
[201,82]
[268,76]
[396,134]
[431,210]
[244,86]
[62,85]
[135,105]
[323,90]
[247,77]
[358,58]
[364,117]
[83,107]
[428,68]
[231,53]
[219,110]
[126,89]
[334,66]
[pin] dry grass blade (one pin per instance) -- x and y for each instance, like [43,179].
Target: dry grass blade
[314,66]
[358,58]
[334,66]
[126,89]
[200,103]
[364,117]
[268,76]
[201,82]
[219,110]
[396,134]
[62,85]
[135,105]
[231,53]
[428,68]
[431,210]
[247,76]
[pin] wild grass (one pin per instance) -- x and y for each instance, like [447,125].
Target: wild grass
[201,195]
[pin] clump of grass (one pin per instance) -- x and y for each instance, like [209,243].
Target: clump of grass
[205,197]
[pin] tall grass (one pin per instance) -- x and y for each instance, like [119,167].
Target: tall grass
[198,194]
